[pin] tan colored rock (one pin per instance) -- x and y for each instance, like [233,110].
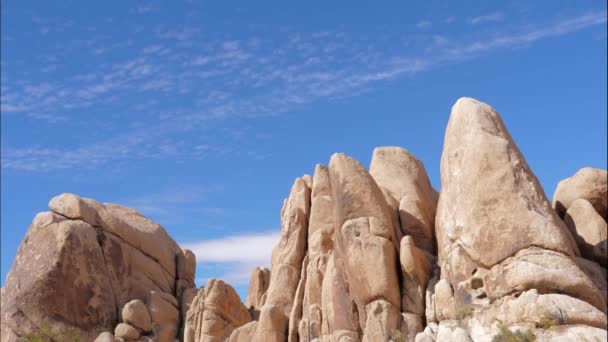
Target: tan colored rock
[321,228]
[429,310]
[77,208]
[186,267]
[288,254]
[411,325]
[366,237]
[272,326]
[58,276]
[296,311]
[544,270]
[164,313]
[587,183]
[339,310]
[416,268]
[184,305]
[127,332]
[596,273]
[406,181]
[491,204]
[287,257]
[143,234]
[548,309]
[258,285]
[355,195]
[383,320]
[132,274]
[214,313]
[567,333]
[244,333]
[429,334]
[589,230]
[451,332]
[445,305]
[136,314]
[321,211]
[104,337]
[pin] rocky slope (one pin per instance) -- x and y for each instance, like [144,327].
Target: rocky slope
[374,255]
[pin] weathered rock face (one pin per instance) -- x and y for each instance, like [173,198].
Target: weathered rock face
[81,263]
[214,313]
[363,256]
[589,230]
[587,183]
[258,285]
[58,263]
[404,178]
[498,236]
[287,257]
[491,204]
[165,315]
[136,313]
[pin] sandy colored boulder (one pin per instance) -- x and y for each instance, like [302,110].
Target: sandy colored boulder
[411,325]
[416,268]
[214,313]
[136,314]
[321,228]
[339,310]
[443,298]
[548,309]
[244,333]
[355,194]
[296,311]
[406,181]
[76,208]
[59,277]
[544,270]
[587,183]
[132,273]
[589,230]
[126,332]
[287,257]
[288,254]
[165,315]
[383,321]
[143,234]
[567,333]
[105,337]
[365,236]
[491,204]
[186,267]
[451,332]
[258,285]
[272,326]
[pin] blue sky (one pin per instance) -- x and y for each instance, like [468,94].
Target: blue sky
[201,114]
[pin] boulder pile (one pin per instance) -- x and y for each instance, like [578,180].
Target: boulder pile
[364,255]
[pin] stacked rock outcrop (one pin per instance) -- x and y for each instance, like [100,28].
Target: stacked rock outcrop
[374,255]
[81,263]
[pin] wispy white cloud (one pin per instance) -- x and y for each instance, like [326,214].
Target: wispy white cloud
[491,17]
[424,24]
[228,79]
[235,255]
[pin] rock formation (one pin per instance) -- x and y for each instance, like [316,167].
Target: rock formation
[81,263]
[374,255]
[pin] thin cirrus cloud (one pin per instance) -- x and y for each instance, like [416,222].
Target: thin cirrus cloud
[327,66]
[491,17]
[235,256]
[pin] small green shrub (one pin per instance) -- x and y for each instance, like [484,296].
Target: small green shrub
[46,333]
[506,335]
[396,336]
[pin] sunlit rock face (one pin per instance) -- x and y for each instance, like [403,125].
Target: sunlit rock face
[376,255]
